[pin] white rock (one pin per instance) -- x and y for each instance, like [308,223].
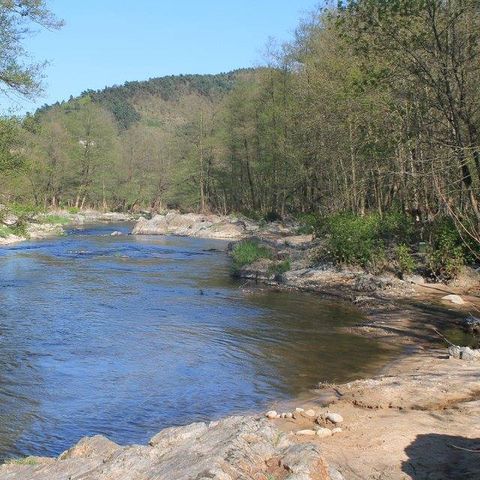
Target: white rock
[116,233]
[310,413]
[334,417]
[324,432]
[306,432]
[337,430]
[283,415]
[271,414]
[299,410]
[289,415]
[457,299]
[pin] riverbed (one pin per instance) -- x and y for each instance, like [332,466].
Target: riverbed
[124,335]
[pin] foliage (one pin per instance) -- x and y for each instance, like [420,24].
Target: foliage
[308,223]
[446,253]
[354,240]
[17,72]
[247,252]
[403,257]
[5,231]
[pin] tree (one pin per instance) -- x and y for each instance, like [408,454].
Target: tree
[17,74]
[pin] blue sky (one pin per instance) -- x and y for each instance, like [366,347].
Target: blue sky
[107,42]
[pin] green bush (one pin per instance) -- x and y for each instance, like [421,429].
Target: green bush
[247,252]
[354,240]
[446,254]
[396,226]
[403,257]
[73,210]
[308,223]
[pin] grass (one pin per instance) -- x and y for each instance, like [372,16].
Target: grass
[280,267]
[55,219]
[5,231]
[247,252]
[22,461]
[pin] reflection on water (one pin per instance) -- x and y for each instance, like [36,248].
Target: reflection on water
[126,335]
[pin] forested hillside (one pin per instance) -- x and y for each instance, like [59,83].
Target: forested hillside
[374,106]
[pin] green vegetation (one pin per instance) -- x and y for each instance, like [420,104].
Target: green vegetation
[5,231]
[405,262]
[247,252]
[280,267]
[366,127]
[55,219]
[23,461]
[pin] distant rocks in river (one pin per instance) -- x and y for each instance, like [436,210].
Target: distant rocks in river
[194,225]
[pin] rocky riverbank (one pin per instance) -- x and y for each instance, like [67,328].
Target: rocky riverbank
[418,419]
[18,228]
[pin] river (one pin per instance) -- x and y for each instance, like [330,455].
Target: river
[125,335]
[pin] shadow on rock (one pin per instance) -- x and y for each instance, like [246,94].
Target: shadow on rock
[441,457]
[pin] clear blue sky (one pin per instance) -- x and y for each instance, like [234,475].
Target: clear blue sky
[107,42]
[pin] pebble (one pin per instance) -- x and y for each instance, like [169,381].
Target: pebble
[334,417]
[271,414]
[289,415]
[337,430]
[310,413]
[324,432]
[299,410]
[307,432]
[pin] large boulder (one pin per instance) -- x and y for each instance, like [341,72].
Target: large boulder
[230,449]
[191,225]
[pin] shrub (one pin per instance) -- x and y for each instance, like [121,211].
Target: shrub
[396,226]
[308,223]
[73,210]
[405,262]
[446,253]
[272,216]
[247,252]
[354,240]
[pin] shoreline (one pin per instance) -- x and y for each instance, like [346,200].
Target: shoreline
[398,423]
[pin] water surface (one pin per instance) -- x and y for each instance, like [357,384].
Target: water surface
[125,335]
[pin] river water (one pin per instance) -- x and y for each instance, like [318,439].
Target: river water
[125,335]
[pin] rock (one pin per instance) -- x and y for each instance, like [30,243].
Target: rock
[271,414]
[299,410]
[472,325]
[306,432]
[89,447]
[10,220]
[303,461]
[191,225]
[233,448]
[337,430]
[335,474]
[289,415]
[309,413]
[464,353]
[414,279]
[323,432]
[456,299]
[334,417]
[116,234]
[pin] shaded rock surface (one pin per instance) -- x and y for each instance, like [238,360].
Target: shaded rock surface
[234,448]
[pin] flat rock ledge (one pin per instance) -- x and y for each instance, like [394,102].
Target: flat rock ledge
[236,448]
[193,225]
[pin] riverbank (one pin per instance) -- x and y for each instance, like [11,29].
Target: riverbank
[34,226]
[418,419]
